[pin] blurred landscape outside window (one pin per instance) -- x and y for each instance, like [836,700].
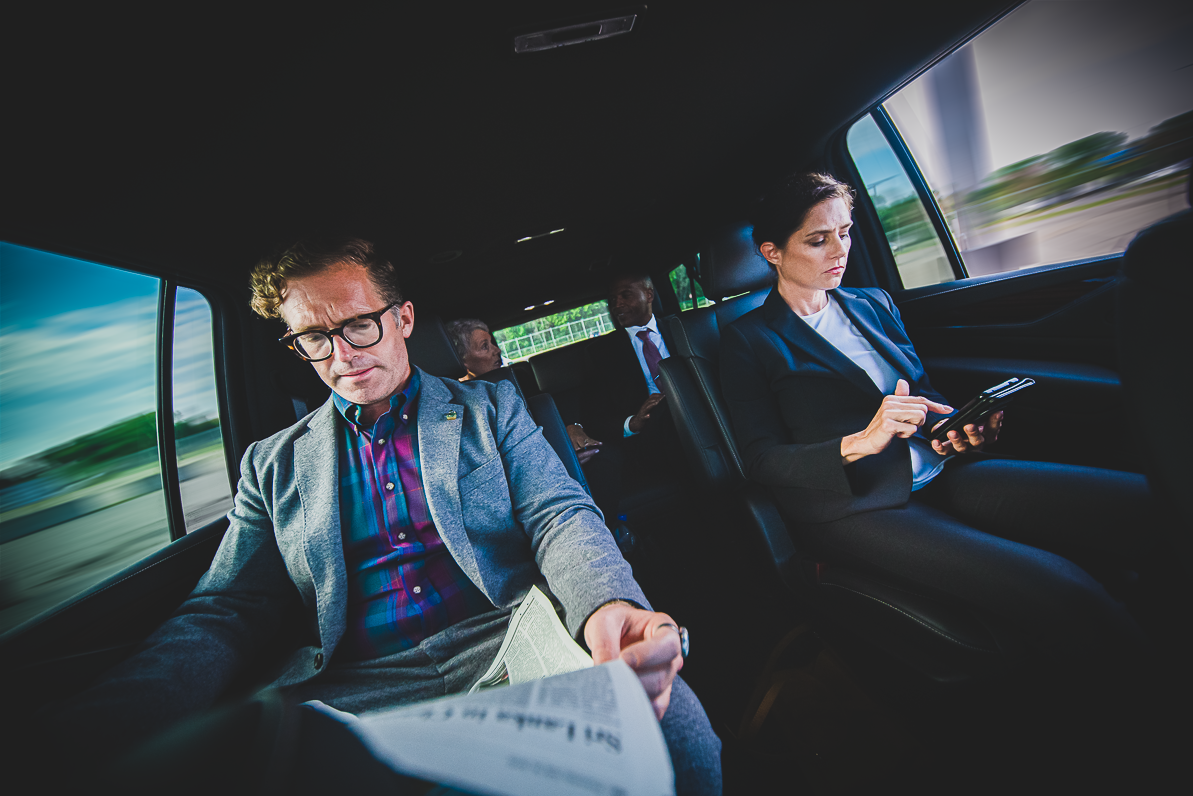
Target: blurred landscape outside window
[523,341]
[1054,136]
[919,254]
[80,481]
[202,468]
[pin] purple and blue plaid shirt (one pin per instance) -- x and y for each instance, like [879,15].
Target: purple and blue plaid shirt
[403,584]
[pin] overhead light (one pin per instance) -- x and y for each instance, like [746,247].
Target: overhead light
[548,302]
[573,34]
[540,235]
[528,309]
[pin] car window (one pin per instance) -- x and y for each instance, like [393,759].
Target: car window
[81,493]
[524,340]
[687,290]
[919,255]
[1055,135]
[202,471]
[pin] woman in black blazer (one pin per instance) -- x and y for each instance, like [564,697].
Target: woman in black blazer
[829,403]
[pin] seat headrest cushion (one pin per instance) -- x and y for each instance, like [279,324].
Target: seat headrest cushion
[430,348]
[729,264]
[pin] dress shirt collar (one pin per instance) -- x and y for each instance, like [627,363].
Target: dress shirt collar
[351,411]
[652,325]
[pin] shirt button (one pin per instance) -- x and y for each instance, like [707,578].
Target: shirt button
[418,589]
[404,417]
[318,660]
[390,486]
[401,536]
[381,441]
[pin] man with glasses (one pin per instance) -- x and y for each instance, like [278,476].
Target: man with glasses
[409,514]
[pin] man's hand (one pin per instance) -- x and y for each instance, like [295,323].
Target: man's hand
[585,446]
[638,421]
[645,640]
[900,415]
[976,435]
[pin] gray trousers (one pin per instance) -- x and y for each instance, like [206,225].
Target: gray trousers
[452,660]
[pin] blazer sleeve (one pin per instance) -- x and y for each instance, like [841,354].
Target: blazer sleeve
[571,546]
[768,457]
[922,386]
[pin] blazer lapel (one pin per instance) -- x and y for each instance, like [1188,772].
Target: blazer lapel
[873,328]
[316,478]
[798,334]
[439,427]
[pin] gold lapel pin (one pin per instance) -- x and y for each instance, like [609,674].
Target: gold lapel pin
[450,416]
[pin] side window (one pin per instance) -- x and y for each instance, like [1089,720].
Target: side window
[202,471]
[1056,135]
[919,255]
[81,486]
[553,331]
[687,290]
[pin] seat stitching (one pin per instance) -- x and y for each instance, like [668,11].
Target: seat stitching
[913,618]
[726,439]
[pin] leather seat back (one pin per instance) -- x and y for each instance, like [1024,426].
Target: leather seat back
[1153,333]
[728,266]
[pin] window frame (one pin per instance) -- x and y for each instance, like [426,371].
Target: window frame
[944,234]
[223,355]
[887,126]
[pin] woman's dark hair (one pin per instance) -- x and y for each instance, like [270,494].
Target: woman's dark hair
[783,209]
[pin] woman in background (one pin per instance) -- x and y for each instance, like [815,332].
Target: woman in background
[475,345]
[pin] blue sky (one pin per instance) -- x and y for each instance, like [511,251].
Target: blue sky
[77,349]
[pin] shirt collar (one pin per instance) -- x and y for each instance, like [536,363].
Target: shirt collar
[652,324]
[351,411]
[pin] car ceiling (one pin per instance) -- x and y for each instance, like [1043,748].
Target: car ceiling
[192,142]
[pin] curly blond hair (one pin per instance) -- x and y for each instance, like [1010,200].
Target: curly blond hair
[268,278]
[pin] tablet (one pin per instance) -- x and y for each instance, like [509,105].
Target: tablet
[983,404]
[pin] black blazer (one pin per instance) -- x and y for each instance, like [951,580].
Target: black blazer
[620,387]
[792,396]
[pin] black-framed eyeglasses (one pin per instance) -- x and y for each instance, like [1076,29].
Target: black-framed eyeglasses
[362,331]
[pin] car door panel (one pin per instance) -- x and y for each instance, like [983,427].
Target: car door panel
[59,652]
[1054,324]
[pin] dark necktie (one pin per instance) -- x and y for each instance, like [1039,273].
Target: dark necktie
[650,353]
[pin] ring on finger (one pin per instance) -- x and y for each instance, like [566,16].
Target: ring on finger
[683,637]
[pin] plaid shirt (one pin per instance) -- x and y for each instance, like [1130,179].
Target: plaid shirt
[403,584]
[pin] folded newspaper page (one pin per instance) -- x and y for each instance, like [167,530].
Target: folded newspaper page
[590,732]
[536,645]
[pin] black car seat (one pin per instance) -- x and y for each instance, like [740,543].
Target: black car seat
[1153,292]
[944,641]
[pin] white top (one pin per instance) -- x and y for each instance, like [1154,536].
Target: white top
[834,325]
[653,327]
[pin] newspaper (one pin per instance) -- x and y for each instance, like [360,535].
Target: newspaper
[590,732]
[536,646]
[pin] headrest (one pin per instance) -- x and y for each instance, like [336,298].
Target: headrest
[563,368]
[730,265]
[1158,257]
[430,348]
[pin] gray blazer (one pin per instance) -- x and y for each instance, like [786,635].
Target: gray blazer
[504,505]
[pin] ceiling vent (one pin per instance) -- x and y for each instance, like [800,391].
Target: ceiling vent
[574,34]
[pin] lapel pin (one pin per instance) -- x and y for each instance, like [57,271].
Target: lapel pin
[450,416]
